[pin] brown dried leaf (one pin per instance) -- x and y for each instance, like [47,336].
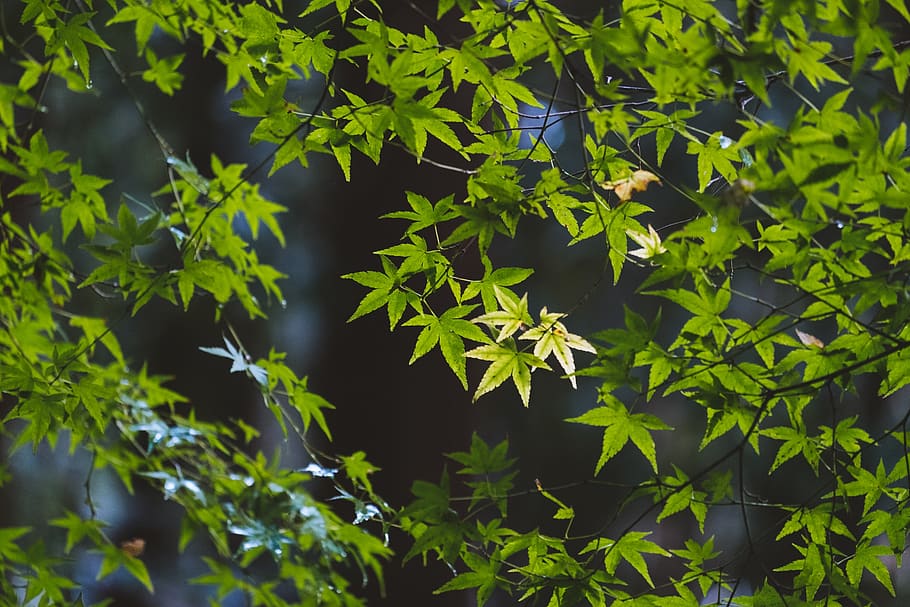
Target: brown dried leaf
[636,182]
[133,547]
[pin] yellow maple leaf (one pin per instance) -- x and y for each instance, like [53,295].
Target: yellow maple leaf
[650,243]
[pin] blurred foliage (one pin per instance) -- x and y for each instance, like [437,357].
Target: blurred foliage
[788,278]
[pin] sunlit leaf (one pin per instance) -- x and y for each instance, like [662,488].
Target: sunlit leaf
[552,337]
[808,339]
[650,243]
[511,317]
[506,362]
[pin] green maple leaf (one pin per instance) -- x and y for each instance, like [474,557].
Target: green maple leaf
[424,213]
[620,427]
[506,361]
[629,548]
[447,331]
[503,277]
[164,73]
[386,291]
[869,558]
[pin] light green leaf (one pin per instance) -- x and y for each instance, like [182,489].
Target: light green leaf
[869,558]
[512,315]
[629,548]
[619,427]
[506,362]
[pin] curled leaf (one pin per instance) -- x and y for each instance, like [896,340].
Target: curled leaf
[809,340]
[650,243]
[636,182]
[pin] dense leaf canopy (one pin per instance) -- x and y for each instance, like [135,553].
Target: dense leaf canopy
[739,169]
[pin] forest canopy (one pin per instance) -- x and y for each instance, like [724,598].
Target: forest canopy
[683,222]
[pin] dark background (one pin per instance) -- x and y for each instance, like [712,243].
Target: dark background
[404,417]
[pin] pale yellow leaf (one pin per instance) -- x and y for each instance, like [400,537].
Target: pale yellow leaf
[809,340]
